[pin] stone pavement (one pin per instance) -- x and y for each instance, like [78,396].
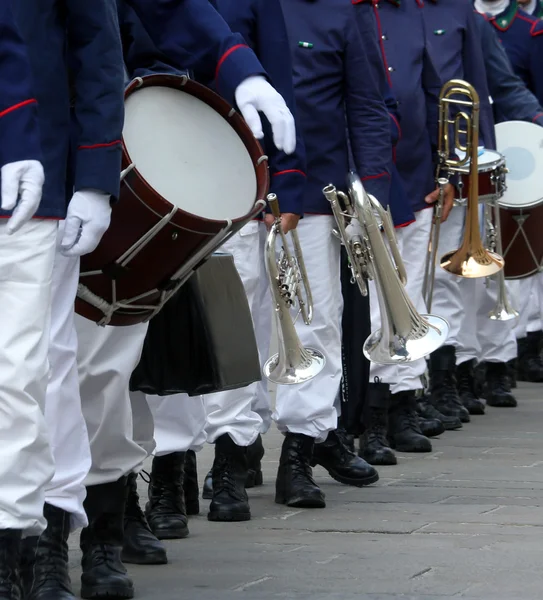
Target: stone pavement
[462,522]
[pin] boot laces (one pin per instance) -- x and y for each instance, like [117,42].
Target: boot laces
[167,495]
[226,480]
[133,510]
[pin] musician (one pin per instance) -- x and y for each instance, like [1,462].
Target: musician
[457,52]
[532,7]
[522,38]
[27,248]
[192,35]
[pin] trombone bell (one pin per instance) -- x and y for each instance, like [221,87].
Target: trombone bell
[472,261]
[302,365]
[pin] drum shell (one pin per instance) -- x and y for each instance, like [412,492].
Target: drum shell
[518,249]
[140,208]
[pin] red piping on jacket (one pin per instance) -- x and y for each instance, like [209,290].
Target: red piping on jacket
[226,55]
[95,146]
[17,106]
[289,171]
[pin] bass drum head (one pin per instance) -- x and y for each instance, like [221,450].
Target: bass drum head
[522,145]
[189,154]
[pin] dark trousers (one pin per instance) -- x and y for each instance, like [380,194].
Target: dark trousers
[356,328]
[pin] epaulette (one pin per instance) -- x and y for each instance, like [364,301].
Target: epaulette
[537,27]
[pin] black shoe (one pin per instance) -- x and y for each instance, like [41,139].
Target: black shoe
[230,501]
[141,547]
[374,446]
[294,485]
[207,490]
[430,427]
[104,575]
[342,464]
[497,390]
[10,556]
[255,454]
[465,384]
[530,365]
[403,430]
[166,510]
[44,560]
[426,410]
[443,392]
[190,484]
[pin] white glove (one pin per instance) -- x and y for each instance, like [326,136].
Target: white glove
[255,94]
[89,214]
[22,181]
[354,230]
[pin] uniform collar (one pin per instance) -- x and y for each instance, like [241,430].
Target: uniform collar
[504,20]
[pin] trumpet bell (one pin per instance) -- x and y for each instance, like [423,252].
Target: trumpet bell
[503,313]
[398,349]
[472,264]
[308,363]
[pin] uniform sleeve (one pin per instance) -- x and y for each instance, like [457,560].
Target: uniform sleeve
[432,84]
[288,172]
[193,35]
[513,101]
[19,131]
[536,56]
[141,56]
[367,26]
[95,55]
[367,118]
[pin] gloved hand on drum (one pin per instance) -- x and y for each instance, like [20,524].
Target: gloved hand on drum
[255,94]
[89,214]
[22,184]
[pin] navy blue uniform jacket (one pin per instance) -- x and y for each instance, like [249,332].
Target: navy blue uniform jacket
[19,131]
[334,87]
[522,38]
[262,25]
[400,206]
[416,84]
[457,53]
[75,42]
[513,101]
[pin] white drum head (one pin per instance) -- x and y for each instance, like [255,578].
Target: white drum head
[522,145]
[189,154]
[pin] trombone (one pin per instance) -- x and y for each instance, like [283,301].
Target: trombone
[293,363]
[472,259]
[404,335]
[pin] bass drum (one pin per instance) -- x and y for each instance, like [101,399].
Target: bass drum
[522,241]
[521,205]
[193,175]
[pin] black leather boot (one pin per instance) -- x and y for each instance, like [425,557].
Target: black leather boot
[403,431]
[497,391]
[530,365]
[465,384]
[426,410]
[166,510]
[430,427]
[10,556]
[255,454]
[44,560]
[342,464]
[104,575]
[374,445]
[190,484]
[294,485]
[443,392]
[141,547]
[230,501]
[512,372]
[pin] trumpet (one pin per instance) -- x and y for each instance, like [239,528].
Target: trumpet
[293,363]
[472,259]
[405,335]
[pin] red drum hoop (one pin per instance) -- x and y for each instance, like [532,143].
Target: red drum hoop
[170,219]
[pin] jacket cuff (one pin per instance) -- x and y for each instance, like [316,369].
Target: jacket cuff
[99,167]
[290,187]
[20,133]
[378,186]
[236,64]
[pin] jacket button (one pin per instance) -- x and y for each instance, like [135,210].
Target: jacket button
[391,69]
[384,37]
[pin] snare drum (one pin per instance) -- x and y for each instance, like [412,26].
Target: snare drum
[193,175]
[491,169]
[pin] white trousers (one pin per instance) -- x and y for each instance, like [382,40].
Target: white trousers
[26,463]
[63,414]
[309,408]
[183,423]
[106,358]
[529,303]
[412,243]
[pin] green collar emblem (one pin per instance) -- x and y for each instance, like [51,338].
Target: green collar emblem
[503,21]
